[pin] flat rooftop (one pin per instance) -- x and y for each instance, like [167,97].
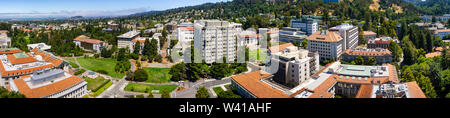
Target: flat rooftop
[129,34]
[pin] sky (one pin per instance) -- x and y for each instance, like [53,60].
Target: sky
[43,8]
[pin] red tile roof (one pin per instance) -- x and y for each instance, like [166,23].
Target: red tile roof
[187,28]
[415,91]
[45,90]
[279,48]
[322,90]
[10,51]
[365,91]
[3,31]
[15,60]
[328,37]
[253,84]
[91,41]
[368,53]
[48,57]
[369,33]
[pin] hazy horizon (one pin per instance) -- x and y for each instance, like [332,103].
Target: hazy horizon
[89,8]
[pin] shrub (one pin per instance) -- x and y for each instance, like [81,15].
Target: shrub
[165,94]
[102,72]
[134,56]
[140,96]
[81,71]
[140,75]
[96,55]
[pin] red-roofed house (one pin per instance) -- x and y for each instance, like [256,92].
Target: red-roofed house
[89,44]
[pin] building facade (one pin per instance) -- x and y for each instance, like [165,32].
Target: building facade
[382,42]
[216,39]
[5,41]
[89,44]
[349,33]
[382,56]
[295,65]
[124,40]
[307,25]
[329,45]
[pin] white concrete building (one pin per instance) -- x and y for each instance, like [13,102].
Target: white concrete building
[216,39]
[349,33]
[124,40]
[295,65]
[248,39]
[307,25]
[328,44]
[5,41]
[41,46]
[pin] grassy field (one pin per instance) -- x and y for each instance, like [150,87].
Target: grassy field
[158,75]
[217,90]
[71,62]
[93,84]
[101,64]
[258,54]
[143,88]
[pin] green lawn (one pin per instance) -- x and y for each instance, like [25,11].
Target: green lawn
[93,84]
[217,90]
[142,88]
[101,64]
[228,86]
[254,54]
[71,62]
[158,75]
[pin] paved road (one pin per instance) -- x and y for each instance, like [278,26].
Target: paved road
[133,66]
[115,89]
[190,92]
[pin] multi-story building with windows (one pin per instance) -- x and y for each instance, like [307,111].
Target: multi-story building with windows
[336,79]
[349,33]
[382,42]
[5,41]
[295,65]
[49,83]
[329,45]
[87,43]
[216,39]
[380,55]
[307,25]
[124,40]
[442,34]
[288,34]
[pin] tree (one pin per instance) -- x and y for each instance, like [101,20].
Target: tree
[371,61]
[4,93]
[165,94]
[158,58]
[202,92]
[130,75]
[430,40]
[137,48]
[396,50]
[359,60]
[305,44]
[409,52]
[178,72]
[228,94]
[121,56]
[150,95]
[407,75]
[147,47]
[140,75]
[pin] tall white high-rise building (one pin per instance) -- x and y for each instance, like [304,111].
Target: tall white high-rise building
[349,33]
[216,39]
